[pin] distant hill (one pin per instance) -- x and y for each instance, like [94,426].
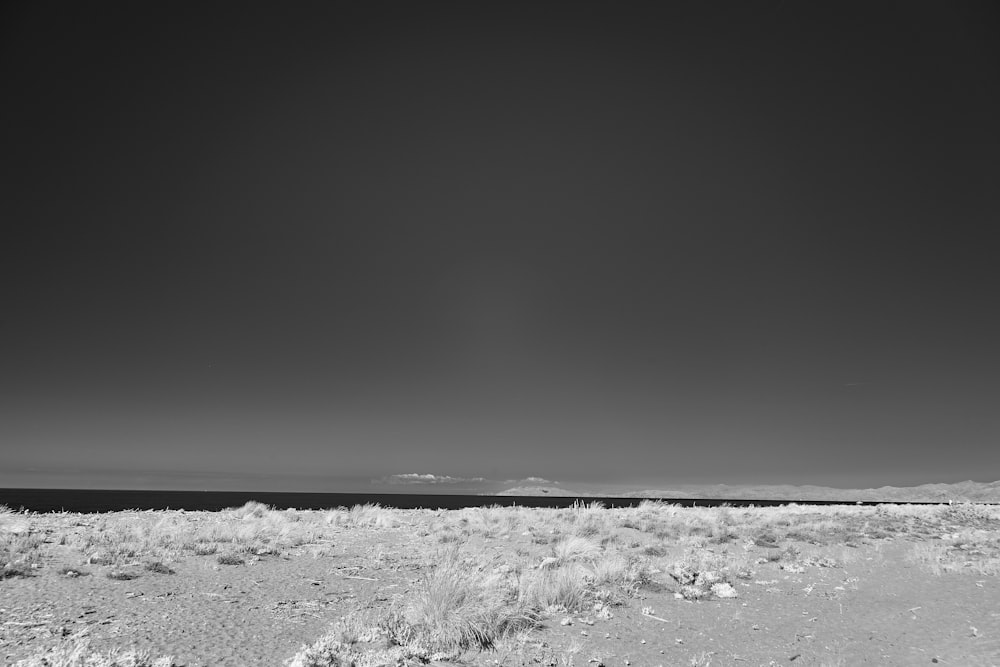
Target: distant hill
[939,493]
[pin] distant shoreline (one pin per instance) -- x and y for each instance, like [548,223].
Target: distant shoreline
[926,493]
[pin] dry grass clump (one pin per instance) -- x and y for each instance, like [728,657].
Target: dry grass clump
[572,549]
[254,528]
[630,573]
[458,606]
[359,640]
[117,539]
[369,515]
[492,521]
[578,573]
[586,519]
[12,522]
[330,651]
[557,590]
[611,569]
[463,604]
[968,551]
[75,652]
[250,510]
[19,554]
[19,545]
[495,517]
[770,526]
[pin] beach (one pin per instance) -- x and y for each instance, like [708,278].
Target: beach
[656,584]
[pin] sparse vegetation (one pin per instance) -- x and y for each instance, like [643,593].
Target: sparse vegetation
[968,551]
[495,578]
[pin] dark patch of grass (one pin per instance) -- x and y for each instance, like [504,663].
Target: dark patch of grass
[655,550]
[766,540]
[799,536]
[249,549]
[11,570]
[723,536]
[652,585]
[665,534]
[158,568]
[609,540]
[73,572]
[656,528]
[230,559]
[791,553]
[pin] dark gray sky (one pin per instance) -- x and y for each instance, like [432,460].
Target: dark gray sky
[666,242]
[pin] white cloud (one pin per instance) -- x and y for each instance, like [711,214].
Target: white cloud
[428,478]
[530,480]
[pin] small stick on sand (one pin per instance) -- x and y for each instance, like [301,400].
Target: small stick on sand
[656,618]
[363,578]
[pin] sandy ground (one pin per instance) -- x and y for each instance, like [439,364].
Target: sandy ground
[868,602]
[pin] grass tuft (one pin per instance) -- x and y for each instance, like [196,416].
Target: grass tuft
[575,548]
[460,605]
[19,554]
[75,652]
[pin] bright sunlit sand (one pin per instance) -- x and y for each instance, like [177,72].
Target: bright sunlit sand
[653,585]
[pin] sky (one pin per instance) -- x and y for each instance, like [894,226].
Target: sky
[631,243]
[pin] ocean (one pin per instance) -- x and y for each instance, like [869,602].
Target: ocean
[113,500]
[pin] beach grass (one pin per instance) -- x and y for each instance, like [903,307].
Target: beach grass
[487,580]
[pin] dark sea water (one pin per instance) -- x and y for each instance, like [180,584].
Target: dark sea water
[112,500]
